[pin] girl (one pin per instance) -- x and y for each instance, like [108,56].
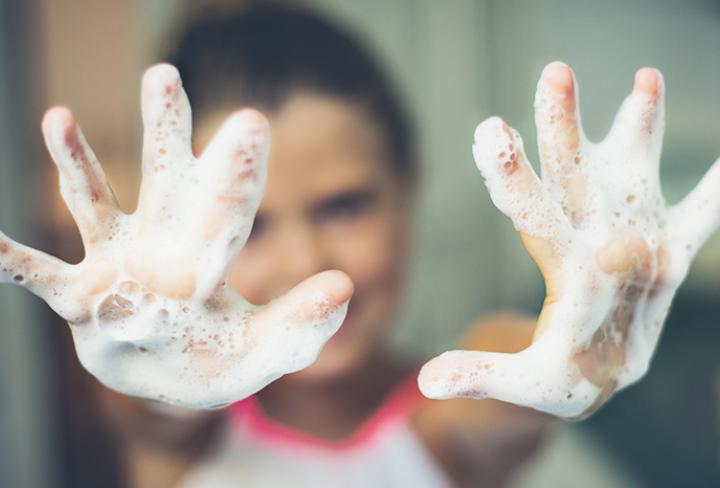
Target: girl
[340,195]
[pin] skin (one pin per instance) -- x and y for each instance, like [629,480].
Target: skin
[300,211]
[611,250]
[138,301]
[330,203]
[307,224]
[475,442]
[353,215]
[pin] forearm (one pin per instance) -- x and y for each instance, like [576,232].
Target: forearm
[485,442]
[481,443]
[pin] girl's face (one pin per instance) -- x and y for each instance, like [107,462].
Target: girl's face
[332,201]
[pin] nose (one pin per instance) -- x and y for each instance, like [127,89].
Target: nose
[299,255]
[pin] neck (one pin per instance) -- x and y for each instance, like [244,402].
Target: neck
[333,409]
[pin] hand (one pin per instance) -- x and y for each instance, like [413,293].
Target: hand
[149,307]
[611,251]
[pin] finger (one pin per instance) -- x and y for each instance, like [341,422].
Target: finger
[518,378]
[697,216]
[83,184]
[166,118]
[234,167]
[167,152]
[40,273]
[560,140]
[513,185]
[285,337]
[558,123]
[312,311]
[639,124]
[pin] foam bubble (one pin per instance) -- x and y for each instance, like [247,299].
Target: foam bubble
[612,251]
[149,307]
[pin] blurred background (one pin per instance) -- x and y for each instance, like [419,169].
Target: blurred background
[456,63]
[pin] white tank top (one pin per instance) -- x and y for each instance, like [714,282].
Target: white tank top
[258,452]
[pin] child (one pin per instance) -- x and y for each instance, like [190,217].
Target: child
[340,195]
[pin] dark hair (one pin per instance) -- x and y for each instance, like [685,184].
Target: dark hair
[263,54]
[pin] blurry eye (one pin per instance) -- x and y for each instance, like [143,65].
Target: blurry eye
[345,206]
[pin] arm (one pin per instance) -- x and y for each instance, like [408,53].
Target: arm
[484,443]
[612,252]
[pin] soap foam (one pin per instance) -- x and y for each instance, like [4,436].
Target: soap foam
[617,252]
[149,307]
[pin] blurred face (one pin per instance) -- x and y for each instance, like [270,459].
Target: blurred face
[332,201]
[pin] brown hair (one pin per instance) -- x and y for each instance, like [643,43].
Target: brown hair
[263,54]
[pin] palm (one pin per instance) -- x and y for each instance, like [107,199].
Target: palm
[149,307]
[611,251]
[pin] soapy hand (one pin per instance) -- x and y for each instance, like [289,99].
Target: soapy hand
[611,251]
[149,307]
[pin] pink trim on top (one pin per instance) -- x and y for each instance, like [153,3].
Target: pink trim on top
[248,416]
